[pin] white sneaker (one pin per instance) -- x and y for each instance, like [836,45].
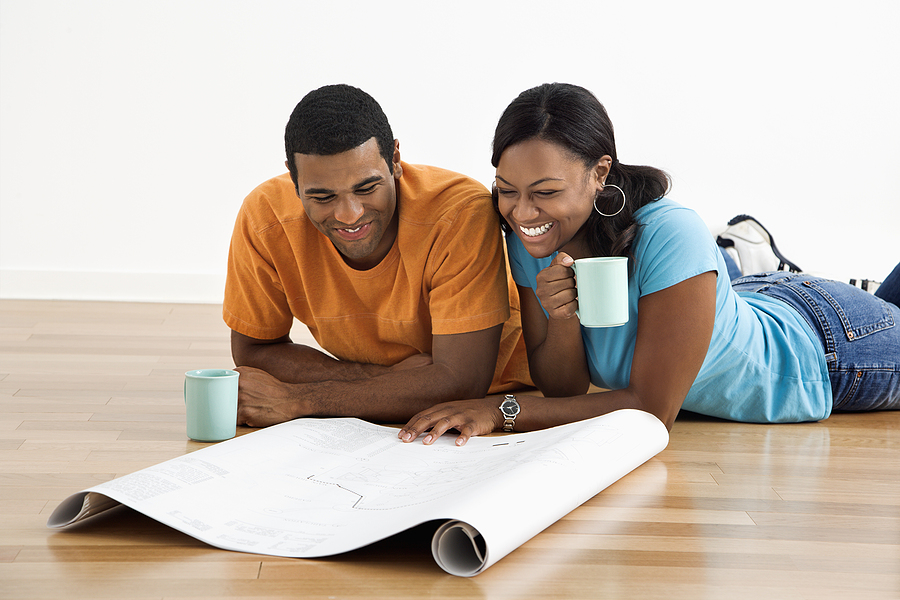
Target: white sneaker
[752,247]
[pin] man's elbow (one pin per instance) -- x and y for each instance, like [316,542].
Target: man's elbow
[249,352]
[240,351]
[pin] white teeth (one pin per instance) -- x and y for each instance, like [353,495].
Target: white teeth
[535,231]
[353,230]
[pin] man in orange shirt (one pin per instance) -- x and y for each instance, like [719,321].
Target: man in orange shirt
[398,270]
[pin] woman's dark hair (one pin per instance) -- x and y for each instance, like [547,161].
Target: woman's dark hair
[334,119]
[573,118]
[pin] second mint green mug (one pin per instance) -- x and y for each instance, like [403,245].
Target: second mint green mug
[210,399]
[602,285]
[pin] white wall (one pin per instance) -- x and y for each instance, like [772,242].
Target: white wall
[131,131]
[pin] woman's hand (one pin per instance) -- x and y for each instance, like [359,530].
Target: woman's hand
[468,417]
[556,288]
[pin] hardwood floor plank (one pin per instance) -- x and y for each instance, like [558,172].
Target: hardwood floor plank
[139,569]
[659,515]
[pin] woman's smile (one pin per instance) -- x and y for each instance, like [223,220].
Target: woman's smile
[536,231]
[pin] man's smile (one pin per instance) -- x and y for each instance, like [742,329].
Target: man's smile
[353,233]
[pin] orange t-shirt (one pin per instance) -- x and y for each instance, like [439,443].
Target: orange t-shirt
[446,273]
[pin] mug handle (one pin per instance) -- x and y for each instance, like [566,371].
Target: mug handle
[577,314]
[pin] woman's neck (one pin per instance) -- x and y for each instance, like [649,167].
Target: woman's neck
[577,247]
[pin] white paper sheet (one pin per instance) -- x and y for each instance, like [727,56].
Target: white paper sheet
[318,487]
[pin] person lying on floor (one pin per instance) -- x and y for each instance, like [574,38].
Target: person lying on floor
[775,347]
[397,269]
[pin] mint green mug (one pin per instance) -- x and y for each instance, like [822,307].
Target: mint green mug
[602,285]
[210,399]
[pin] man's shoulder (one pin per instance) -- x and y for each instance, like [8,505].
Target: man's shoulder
[430,194]
[275,190]
[272,201]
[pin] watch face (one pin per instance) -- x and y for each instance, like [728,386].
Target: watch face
[510,408]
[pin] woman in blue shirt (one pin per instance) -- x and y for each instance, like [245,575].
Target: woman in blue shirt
[774,347]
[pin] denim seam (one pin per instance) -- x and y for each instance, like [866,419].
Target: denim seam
[867,368]
[838,309]
[852,333]
[849,396]
[823,325]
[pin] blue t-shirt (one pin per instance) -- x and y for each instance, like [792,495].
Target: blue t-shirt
[764,363]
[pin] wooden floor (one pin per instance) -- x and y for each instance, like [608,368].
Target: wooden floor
[90,391]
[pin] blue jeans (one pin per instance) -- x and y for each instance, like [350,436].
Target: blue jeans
[859,332]
[733,271]
[888,290]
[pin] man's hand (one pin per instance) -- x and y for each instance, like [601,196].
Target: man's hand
[263,400]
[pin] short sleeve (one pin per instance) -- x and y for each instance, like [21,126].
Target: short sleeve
[673,245]
[255,304]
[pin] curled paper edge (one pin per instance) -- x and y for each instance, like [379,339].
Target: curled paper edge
[459,549]
[78,507]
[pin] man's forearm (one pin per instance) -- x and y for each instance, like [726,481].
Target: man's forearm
[296,363]
[393,397]
[461,367]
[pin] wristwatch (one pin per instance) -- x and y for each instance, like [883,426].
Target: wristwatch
[510,408]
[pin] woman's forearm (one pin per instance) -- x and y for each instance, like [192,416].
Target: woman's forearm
[559,365]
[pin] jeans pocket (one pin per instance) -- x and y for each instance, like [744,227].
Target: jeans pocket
[860,314]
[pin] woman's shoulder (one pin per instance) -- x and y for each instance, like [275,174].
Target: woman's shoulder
[664,210]
[672,244]
[667,218]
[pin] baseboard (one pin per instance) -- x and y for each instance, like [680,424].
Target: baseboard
[198,288]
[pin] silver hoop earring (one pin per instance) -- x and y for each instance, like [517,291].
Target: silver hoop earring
[621,208]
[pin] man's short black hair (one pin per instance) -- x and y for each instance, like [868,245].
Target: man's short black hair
[334,119]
